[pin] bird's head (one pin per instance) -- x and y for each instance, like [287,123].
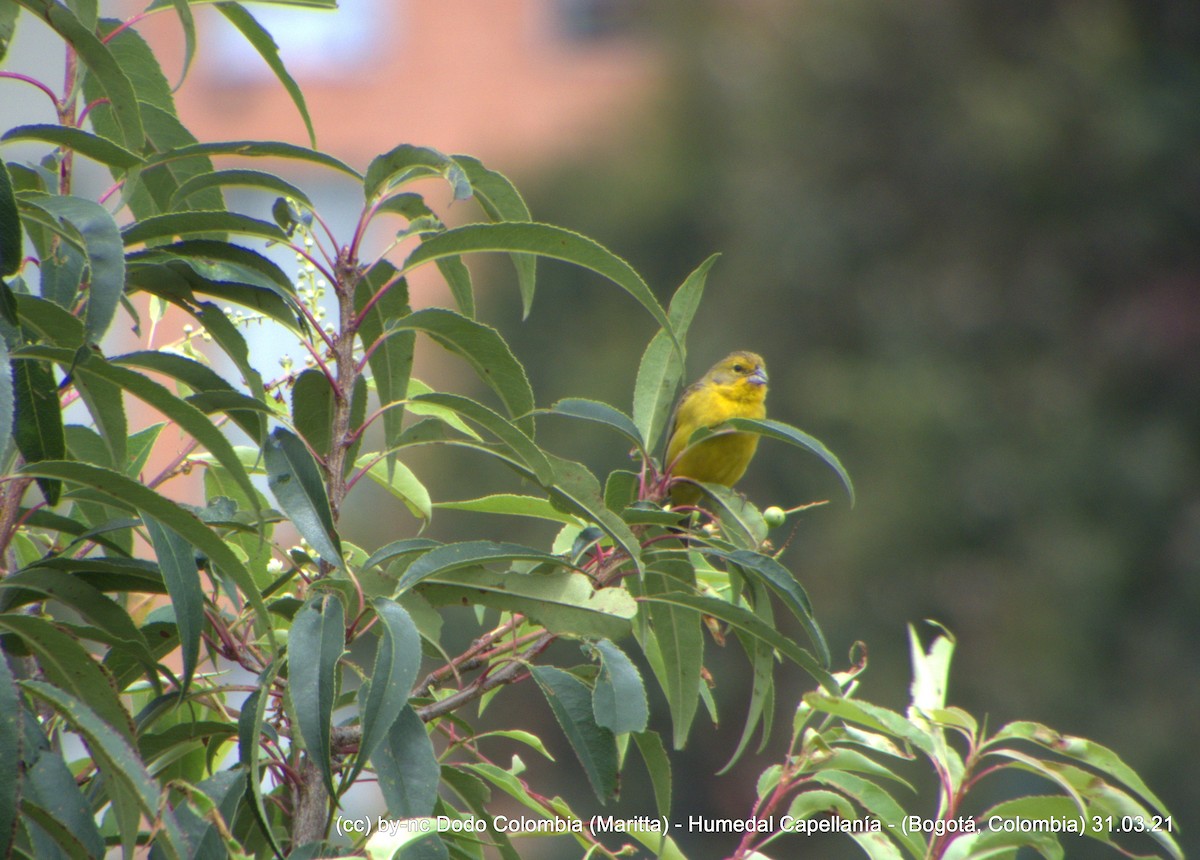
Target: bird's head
[744,371]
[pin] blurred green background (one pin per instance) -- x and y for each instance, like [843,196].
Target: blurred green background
[966,238]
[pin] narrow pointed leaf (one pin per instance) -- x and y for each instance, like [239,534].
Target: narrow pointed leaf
[177,224]
[674,646]
[405,163]
[402,484]
[295,480]
[312,409]
[85,143]
[601,413]
[662,364]
[407,767]
[11,715]
[658,764]
[542,240]
[315,644]
[619,699]
[7,399]
[238,177]
[595,746]
[750,624]
[397,659]
[119,763]
[177,560]
[102,65]
[785,433]
[251,727]
[37,423]
[141,386]
[564,602]
[485,350]
[255,149]
[457,555]
[514,439]
[391,353]
[11,241]
[512,505]
[121,489]
[781,581]
[262,42]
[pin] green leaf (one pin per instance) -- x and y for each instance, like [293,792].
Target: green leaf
[240,177]
[389,355]
[97,148]
[126,776]
[123,490]
[405,163]
[595,746]
[785,433]
[576,490]
[397,659]
[407,768]
[780,580]
[601,413]
[254,149]
[513,505]
[312,409]
[51,797]
[542,240]
[66,664]
[1083,750]
[8,25]
[51,322]
[872,716]
[503,202]
[619,699]
[102,65]
[37,419]
[398,549]
[212,393]
[262,42]
[658,765]
[251,730]
[11,241]
[141,386]
[106,404]
[177,561]
[7,400]
[662,363]
[485,350]
[98,609]
[989,842]
[877,803]
[295,480]
[402,484]
[467,554]
[316,642]
[752,625]
[514,439]
[167,227]
[564,602]
[673,642]
[11,776]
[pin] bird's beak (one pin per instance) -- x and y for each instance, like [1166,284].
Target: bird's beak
[758,377]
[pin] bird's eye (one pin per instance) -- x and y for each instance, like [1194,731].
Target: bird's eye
[737,368]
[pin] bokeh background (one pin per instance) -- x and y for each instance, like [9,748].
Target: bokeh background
[966,237]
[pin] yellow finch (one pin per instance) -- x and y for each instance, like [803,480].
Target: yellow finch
[735,387]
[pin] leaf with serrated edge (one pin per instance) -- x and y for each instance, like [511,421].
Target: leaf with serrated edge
[594,745]
[315,644]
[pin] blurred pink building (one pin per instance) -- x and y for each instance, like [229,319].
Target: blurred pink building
[512,82]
